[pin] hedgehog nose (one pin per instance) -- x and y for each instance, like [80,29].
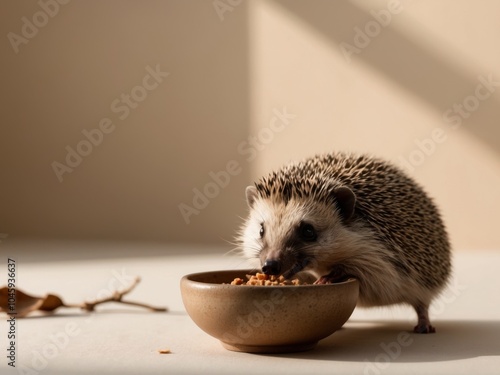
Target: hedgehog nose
[271,267]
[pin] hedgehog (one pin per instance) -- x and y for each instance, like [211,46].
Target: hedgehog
[341,215]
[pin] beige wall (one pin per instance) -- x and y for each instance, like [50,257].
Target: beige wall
[390,96]
[66,79]
[232,76]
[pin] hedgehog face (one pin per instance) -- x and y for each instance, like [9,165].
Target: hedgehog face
[288,236]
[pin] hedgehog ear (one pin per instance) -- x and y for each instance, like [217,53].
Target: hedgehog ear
[251,194]
[346,200]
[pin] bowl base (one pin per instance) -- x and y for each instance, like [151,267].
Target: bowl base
[269,348]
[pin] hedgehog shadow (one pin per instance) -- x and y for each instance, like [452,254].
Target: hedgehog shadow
[377,341]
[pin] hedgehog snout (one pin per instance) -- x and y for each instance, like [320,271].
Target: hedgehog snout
[271,267]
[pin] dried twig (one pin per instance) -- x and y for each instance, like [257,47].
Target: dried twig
[24,303]
[117,297]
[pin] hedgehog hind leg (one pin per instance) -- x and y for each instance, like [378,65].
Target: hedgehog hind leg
[424,324]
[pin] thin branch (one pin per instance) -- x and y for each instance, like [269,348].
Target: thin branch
[152,308]
[117,297]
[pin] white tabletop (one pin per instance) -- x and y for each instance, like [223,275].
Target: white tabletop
[120,339]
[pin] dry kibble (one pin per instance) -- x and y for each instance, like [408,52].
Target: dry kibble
[266,280]
[237,281]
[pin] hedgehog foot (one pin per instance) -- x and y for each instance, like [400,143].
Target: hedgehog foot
[338,274]
[424,328]
[424,324]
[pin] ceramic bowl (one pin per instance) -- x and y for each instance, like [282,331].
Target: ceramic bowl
[266,319]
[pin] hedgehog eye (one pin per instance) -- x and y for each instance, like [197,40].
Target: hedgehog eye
[261,232]
[307,232]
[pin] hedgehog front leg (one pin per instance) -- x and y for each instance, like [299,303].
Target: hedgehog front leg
[424,324]
[336,275]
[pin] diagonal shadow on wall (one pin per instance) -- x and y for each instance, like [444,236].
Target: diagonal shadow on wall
[431,77]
